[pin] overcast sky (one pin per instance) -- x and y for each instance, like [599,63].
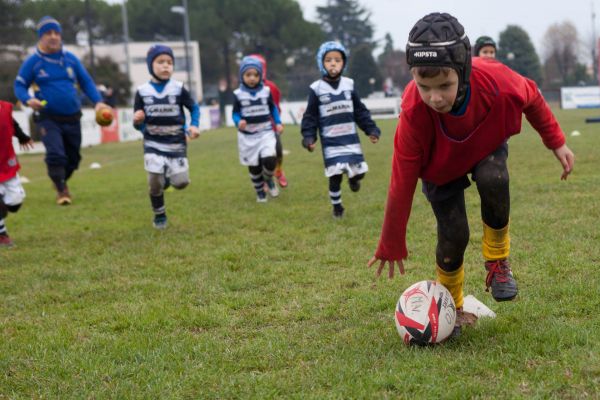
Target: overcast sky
[479,17]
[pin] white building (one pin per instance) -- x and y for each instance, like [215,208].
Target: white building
[138,70]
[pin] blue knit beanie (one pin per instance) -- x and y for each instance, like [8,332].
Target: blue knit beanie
[155,51]
[46,24]
[249,62]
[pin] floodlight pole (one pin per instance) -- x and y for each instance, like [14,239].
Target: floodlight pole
[183,10]
[594,45]
[90,39]
[125,36]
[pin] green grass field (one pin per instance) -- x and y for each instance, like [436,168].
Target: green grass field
[244,300]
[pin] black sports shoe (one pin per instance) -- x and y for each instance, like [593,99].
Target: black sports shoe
[354,185]
[501,280]
[261,196]
[160,221]
[338,211]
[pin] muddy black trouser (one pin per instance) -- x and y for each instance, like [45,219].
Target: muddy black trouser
[448,204]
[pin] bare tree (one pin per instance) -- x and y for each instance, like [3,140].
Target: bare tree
[561,51]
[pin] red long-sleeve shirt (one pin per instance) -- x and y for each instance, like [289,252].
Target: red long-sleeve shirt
[9,165]
[275,92]
[441,147]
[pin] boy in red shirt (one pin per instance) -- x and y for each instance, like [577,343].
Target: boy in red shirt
[457,116]
[11,190]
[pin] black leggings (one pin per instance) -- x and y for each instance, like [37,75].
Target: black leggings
[5,208]
[266,165]
[335,186]
[491,177]
[278,149]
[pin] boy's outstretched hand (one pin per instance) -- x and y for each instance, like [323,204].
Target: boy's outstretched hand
[194,132]
[28,145]
[309,143]
[566,158]
[374,138]
[279,128]
[382,265]
[138,117]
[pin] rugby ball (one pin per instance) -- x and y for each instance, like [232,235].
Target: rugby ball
[104,116]
[425,313]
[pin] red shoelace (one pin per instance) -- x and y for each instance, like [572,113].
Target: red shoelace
[498,268]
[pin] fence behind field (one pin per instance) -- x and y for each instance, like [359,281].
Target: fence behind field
[122,130]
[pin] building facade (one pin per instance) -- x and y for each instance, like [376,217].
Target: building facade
[135,64]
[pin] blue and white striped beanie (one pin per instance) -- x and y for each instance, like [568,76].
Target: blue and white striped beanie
[46,24]
[251,62]
[326,48]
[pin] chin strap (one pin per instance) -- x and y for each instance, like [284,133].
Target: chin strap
[461,98]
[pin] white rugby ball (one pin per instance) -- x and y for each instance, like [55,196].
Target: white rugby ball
[425,313]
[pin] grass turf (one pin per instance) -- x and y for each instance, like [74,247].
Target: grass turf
[244,300]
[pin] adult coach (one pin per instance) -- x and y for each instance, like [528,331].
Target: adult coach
[56,75]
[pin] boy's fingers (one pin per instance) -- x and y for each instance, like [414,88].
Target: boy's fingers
[567,163]
[380,268]
[401,267]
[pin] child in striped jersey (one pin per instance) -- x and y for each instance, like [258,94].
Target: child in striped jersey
[253,109]
[334,109]
[158,113]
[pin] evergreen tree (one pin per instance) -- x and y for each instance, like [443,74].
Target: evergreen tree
[346,21]
[349,23]
[229,29]
[363,69]
[516,51]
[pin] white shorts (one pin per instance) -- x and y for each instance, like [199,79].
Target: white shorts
[255,146]
[12,192]
[169,166]
[350,169]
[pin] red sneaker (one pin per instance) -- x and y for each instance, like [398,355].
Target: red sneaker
[281,179]
[5,241]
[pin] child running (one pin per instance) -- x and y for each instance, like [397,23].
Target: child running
[11,190]
[253,109]
[158,113]
[334,109]
[457,116]
[276,94]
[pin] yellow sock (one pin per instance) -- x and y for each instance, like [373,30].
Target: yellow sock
[453,281]
[495,243]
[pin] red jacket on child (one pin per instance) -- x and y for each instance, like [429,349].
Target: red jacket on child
[9,166]
[440,148]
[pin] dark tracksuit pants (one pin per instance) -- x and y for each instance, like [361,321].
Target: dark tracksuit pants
[62,140]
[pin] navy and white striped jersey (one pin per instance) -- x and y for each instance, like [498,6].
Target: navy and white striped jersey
[257,108]
[333,111]
[163,128]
